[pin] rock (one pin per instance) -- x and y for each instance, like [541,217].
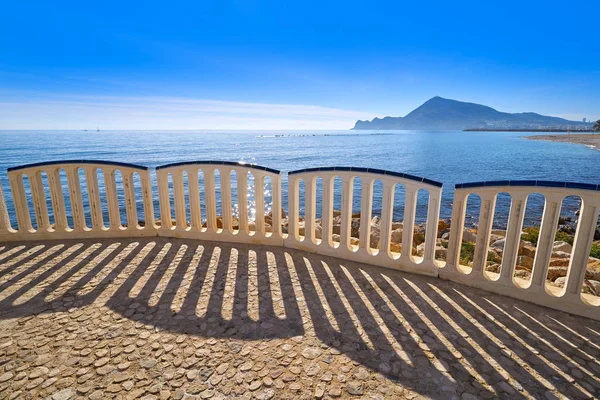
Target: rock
[523,274]
[526,249]
[396,225]
[355,388]
[562,246]
[355,227]
[311,353]
[499,244]
[556,272]
[443,225]
[440,253]
[375,221]
[64,394]
[591,286]
[525,261]
[469,236]
[559,262]
[561,254]
[560,282]
[396,236]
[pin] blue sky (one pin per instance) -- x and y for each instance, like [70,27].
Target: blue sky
[289,65]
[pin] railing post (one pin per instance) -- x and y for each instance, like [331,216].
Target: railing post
[75,196]
[114,213]
[276,209]
[20,202]
[543,251]
[179,200]
[194,194]
[431,230]
[584,236]
[311,209]
[484,230]
[347,191]
[366,207]
[211,201]
[225,176]
[5,225]
[408,224]
[58,200]
[387,211]
[242,185]
[259,199]
[456,231]
[130,201]
[293,200]
[513,238]
[149,220]
[164,200]
[91,179]
[39,201]
[327,215]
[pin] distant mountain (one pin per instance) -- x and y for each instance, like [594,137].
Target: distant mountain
[440,113]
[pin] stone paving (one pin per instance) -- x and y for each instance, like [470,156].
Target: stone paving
[158,319]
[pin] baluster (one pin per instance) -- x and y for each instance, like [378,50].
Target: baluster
[149,221]
[58,200]
[226,198]
[543,251]
[347,190]
[484,230]
[39,201]
[76,199]
[513,238]
[114,213]
[431,231]
[179,199]
[211,200]
[408,225]
[456,230]
[327,218]
[91,179]
[20,201]
[366,206]
[311,209]
[164,199]
[5,225]
[130,200]
[387,211]
[586,227]
[293,200]
[194,194]
[259,198]
[242,185]
[276,191]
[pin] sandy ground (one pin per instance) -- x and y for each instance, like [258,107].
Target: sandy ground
[587,139]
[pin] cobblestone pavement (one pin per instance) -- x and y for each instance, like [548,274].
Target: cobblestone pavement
[159,319]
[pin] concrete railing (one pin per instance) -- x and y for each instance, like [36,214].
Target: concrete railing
[42,213]
[363,252]
[218,228]
[75,225]
[536,289]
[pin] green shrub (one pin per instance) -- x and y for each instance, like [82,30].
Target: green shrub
[595,252]
[467,250]
[532,234]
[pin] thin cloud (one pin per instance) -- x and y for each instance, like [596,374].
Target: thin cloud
[112,112]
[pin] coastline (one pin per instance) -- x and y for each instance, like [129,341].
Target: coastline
[590,140]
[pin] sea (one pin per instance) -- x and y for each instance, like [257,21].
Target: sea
[449,157]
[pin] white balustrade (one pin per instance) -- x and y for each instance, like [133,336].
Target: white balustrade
[53,222]
[219,227]
[363,252]
[536,290]
[60,229]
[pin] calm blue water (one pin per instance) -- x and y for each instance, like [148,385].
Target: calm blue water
[450,157]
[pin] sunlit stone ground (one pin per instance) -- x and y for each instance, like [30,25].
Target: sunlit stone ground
[186,319]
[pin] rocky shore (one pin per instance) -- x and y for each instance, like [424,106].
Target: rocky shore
[591,140]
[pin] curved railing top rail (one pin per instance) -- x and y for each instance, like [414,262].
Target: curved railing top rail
[546,184]
[59,162]
[370,171]
[212,162]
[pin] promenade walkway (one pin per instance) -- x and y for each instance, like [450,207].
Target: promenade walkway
[168,318]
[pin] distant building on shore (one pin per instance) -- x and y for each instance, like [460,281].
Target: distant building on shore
[584,120]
